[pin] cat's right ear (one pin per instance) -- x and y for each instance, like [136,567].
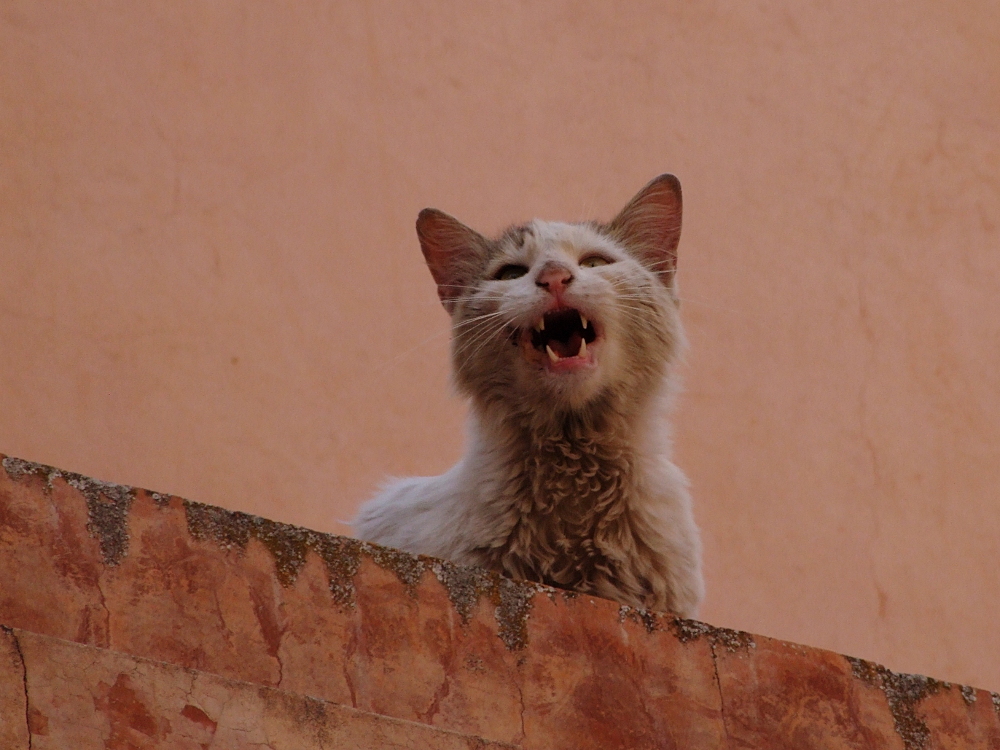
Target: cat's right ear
[454,253]
[650,226]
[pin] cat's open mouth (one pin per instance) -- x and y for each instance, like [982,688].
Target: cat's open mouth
[563,335]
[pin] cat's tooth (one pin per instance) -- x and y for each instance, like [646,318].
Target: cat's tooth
[583,348]
[540,325]
[552,355]
[583,321]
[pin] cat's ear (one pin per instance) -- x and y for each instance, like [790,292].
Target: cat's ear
[650,226]
[454,253]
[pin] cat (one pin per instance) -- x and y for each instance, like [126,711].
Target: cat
[565,340]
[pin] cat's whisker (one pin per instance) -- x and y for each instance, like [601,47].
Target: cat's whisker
[484,318]
[480,347]
[484,331]
[483,338]
[477,319]
[630,304]
[402,355]
[480,338]
[461,287]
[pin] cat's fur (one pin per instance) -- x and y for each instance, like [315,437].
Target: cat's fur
[566,477]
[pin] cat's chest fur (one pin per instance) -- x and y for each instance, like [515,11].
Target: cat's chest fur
[570,520]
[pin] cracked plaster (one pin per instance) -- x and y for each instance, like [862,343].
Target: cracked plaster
[89,698]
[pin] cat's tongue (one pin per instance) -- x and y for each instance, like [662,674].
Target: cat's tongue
[568,348]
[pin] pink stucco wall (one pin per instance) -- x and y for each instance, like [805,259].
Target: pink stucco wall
[210,283]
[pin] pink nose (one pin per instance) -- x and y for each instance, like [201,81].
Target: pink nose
[554,278]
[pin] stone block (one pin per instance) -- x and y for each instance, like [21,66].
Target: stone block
[85,698]
[785,696]
[13,698]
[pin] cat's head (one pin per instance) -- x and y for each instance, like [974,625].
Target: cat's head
[553,317]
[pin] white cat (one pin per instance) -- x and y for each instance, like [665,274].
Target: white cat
[565,338]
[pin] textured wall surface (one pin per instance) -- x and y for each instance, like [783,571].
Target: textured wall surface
[210,282]
[58,695]
[135,575]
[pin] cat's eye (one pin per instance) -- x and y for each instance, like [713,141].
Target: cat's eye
[509,272]
[593,261]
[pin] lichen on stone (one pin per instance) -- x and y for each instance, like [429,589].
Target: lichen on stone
[159,499]
[691,630]
[18,467]
[686,630]
[733,640]
[108,504]
[408,568]
[968,694]
[342,557]
[286,543]
[512,611]
[107,519]
[903,692]
[996,702]
[511,600]
[228,529]
[648,619]
[465,585]
[233,530]
[289,545]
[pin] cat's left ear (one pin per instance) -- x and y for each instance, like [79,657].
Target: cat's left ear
[650,226]
[455,254]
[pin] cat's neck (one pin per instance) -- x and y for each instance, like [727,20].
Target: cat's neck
[613,425]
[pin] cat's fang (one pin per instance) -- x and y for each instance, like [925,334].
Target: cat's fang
[583,321]
[540,325]
[552,355]
[583,344]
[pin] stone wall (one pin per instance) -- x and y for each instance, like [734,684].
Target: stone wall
[135,617]
[65,695]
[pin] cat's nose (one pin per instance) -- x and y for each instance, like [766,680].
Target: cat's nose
[554,277]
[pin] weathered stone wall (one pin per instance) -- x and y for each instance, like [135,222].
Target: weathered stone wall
[65,695]
[155,577]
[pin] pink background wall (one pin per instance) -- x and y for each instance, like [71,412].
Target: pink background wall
[210,283]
